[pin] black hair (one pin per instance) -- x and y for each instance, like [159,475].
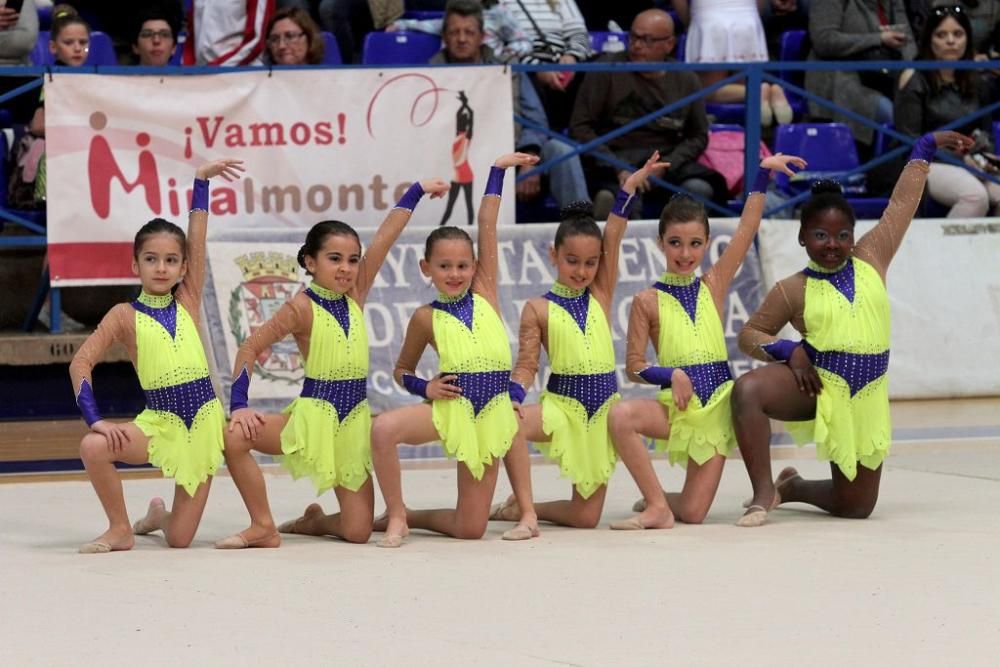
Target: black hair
[162,10]
[965,78]
[154,227]
[317,237]
[577,219]
[680,209]
[471,8]
[826,194]
[446,234]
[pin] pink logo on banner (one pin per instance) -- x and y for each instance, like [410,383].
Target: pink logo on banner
[102,169]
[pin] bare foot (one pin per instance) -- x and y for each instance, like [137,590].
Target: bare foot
[307,524]
[508,510]
[649,519]
[111,540]
[155,516]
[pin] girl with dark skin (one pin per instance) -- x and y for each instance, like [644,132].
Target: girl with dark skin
[832,388]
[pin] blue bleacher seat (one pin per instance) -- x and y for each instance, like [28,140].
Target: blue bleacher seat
[423,15]
[679,48]
[331,50]
[399,48]
[102,52]
[794,47]
[175,59]
[830,151]
[612,42]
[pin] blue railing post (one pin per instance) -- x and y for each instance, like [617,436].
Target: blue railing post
[751,127]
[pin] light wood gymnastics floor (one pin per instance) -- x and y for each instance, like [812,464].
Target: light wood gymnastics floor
[916,584]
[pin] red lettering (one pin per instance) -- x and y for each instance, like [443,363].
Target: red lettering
[102,168]
[300,134]
[324,133]
[206,136]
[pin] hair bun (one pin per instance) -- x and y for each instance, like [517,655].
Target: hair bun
[577,209]
[301,257]
[827,185]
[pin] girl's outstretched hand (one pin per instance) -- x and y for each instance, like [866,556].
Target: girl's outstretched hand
[781,162]
[435,187]
[639,179]
[953,141]
[228,168]
[516,160]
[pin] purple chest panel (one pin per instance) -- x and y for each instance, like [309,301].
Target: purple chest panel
[462,309]
[336,307]
[686,295]
[183,400]
[857,370]
[576,306]
[481,388]
[166,316]
[591,391]
[343,395]
[706,378]
[843,279]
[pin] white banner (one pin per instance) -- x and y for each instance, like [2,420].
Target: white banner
[341,144]
[944,290]
[253,274]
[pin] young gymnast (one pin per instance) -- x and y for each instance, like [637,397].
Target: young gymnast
[325,433]
[682,316]
[570,422]
[832,388]
[180,431]
[468,409]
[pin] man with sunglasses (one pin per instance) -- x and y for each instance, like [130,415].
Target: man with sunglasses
[610,100]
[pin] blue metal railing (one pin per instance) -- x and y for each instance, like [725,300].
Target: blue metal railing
[753,74]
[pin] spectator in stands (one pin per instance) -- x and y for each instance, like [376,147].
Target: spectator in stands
[464,43]
[351,20]
[293,38]
[155,40]
[726,31]
[930,99]
[559,34]
[780,16]
[501,31]
[858,30]
[227,32]
[609,100]
[18,33]
[984,17]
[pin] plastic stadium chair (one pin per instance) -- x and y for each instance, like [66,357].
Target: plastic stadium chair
[175,60]
[830,150]
[331,50]
[102,52]
[608,42]
[399,48]
[423,15]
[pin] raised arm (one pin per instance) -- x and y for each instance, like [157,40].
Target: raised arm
[720,276]
[485,282]
[607,272]
[194,280]
[389,231]
[879,245]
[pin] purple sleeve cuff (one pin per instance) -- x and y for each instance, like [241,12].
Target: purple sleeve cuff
[761,182]
[924,149]
[494,184]
[781,349]
[657,375]
[623,204]
[411,198]
[199,197]
[238,395]
[88,404]
[414,385]
[516,392]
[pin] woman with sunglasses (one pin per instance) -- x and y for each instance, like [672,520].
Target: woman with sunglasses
[293,39]
[930,99]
